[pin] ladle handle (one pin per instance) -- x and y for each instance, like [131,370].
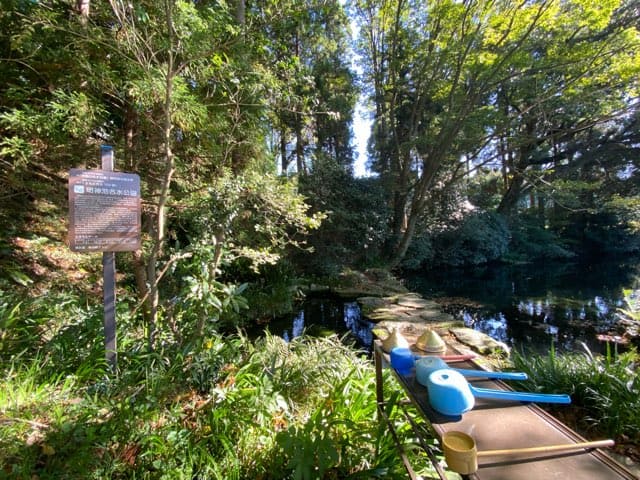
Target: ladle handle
[485,374]
[548,448]
[457,358]
[519,396]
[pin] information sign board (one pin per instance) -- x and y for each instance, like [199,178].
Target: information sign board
[104,211]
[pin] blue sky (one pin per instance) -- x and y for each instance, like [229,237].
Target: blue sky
[361,121]
[361,132]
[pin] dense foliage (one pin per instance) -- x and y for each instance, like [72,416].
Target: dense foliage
[355,229]
[501,131]
[528,111]
[605,387]
[199,100]
[219,408]
[536,102]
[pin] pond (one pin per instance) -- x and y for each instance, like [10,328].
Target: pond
[528,306]
[326,315]
[533,307]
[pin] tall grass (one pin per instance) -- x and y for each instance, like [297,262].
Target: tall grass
[221,408]
[34,412]
[604,389]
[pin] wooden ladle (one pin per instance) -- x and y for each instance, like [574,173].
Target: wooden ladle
[461,454]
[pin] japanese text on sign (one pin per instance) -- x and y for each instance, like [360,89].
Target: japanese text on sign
[104,211]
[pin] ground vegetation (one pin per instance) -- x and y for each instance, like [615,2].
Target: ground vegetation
[501,132]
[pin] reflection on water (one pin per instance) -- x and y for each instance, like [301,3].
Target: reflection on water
[324,316]
[534,307]
[359,327]
[297,328]
[524,307]
[536,323]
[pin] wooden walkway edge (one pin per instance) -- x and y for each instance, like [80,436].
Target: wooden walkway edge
[501,425]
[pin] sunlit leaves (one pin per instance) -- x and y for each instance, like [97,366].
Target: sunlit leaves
[252,218]
[628,209]
[190,113]
[591,16]
[528,76]
[75,112]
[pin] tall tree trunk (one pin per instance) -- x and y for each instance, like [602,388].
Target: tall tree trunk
[300,146]
[82,7]
[541,208]
[284,161]
[140,274]
[511,197]
[404,242]
[516,183]
[165,186]
[240,11]
[399,214]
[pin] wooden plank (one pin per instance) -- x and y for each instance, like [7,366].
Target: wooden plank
[502,425]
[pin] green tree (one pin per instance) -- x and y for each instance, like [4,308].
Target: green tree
[308,50]
[355,227]
[461,85]
[582,85]
[183,90]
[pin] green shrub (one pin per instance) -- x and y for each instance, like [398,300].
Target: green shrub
[480,238]
[356,227]
[274,294]
[420,252]
[532,241]
[63,329]
[221,408]
[604,388]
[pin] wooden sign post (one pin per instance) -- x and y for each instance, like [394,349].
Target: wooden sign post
[104,215]
[109,281]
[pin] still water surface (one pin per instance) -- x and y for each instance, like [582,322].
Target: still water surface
[534,307]
[528,307]
[325,316]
